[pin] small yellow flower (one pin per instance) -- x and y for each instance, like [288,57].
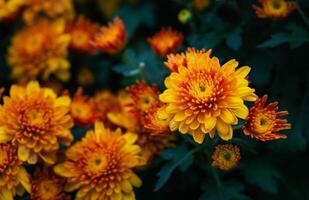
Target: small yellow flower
[112,38]
[100,166]
[36,121]
[166,41]
[39,50]
[48,186]
[226,156]
[53,9]
[263,122]
[274,9]
[203,97]
[14,179]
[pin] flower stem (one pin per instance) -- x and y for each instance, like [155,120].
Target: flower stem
[302,13]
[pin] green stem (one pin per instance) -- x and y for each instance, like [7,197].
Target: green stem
[302,13]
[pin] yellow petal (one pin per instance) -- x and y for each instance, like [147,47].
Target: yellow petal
[116,196]
[183,127]
[48,157]
[63,101]
[198,137]
[64,169]
[71,186]
[243,71]
[244,91]
[228,117]
[130,138]
[23,153]
[6,194]
[241,112]
[210,123]
[24,179]
[33,87]
[126,186]
[135,181]
[180,116]
[225,130]
[173,125]
[230,66]
[166,96]
[234,102]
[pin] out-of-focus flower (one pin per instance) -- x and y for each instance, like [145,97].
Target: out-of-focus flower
[47,186]
[84,109]
[201,4]
[112,38]
[166,41]
[9,9]
[14,178]
[40,50]
[36,121]
[84,77]
[52,9]
[100,166]
[203,97]
[82,32]
[274,9]
[226,156]
[56,85]
[263,122]
[184,16]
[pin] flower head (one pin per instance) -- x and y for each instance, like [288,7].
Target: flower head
[100,166]
[274,9]
[204,97]
[84,109]
[82,32]
[263,122]
[201,4]
[112,38]
[36,121]
[226,156]
[53,9]
[166,41]
[40,50]
[47,186]
[9,9]
[14,178]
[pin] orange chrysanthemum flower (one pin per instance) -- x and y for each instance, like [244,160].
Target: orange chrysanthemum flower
[14,178]
[84,109]
[226,156]
[202,97]
[39,51]
[112,38]
[9,9]
[53,9]
[201,4]
[263,122]
[166,41]
[134,119]
[48,186]
[106,103]
[82,32]
[100,166]
[274,9]
[36,121]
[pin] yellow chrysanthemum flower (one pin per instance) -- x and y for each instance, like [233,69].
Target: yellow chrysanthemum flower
[10,8]
[14,179]
[275,9]
[36,121]
[48,186]
[226,156]
[40,50]
[202,97]
[100,166]
[52,9]
[263,122]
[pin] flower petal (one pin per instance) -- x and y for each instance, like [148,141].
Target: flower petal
[225,130]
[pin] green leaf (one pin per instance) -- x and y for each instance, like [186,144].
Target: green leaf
[234,40]
[229,190]
[295,37]
[261,174]
[177,157]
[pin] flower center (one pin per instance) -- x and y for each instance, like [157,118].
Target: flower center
[34,43]
[263,123]
[227,156]
[79,38]
[276,5]
[97,163]
[48,189]
[35,117]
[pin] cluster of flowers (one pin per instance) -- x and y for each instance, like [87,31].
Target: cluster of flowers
[202,97]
